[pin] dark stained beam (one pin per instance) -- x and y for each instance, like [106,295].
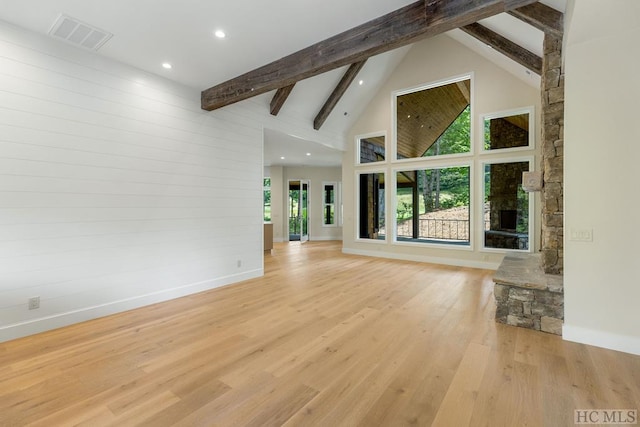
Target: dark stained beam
[542,17]
[280,98]
[404,26]
[505,46]
[337,93]
[455,13]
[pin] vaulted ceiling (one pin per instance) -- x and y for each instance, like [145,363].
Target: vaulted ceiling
[148,33]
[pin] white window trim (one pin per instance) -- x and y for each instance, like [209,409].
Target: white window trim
[506,113]
[467,162]
[393,154]
[372,135]
[356,215]
[335,203]
[480,208]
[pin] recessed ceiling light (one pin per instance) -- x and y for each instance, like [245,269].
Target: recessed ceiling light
[361,82]
[281,157]
[308,154]
[167,66]
[220,34]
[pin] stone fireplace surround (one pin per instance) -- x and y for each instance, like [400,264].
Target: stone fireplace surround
[528,297]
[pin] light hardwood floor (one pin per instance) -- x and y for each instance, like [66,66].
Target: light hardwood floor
[322,339]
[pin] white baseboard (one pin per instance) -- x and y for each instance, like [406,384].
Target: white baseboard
[34,326]
[624,343]
[421,258]
[325,239]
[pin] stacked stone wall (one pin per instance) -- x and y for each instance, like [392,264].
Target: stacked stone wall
[528,297]
[537,309]
[552,155]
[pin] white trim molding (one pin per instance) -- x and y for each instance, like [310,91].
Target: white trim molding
[58,320]
[624,343]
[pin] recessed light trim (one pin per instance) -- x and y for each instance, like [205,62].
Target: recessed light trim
[361,82]
[281,157]
[167,66]
[220,34]
[308,154]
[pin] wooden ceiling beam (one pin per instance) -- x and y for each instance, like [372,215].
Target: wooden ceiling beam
[542,17]
[337,93]
[280,98]
[419,20]
[505,46]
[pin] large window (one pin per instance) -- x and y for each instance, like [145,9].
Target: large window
[432,205]
[453,183]
[434,120]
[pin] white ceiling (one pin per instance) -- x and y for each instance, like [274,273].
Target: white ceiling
[297,151]
[150,32]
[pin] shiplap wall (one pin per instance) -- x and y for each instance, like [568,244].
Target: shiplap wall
[116,189]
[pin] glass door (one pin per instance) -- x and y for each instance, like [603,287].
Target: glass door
[304,217]
[298,210]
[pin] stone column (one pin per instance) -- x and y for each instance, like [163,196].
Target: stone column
[552,116]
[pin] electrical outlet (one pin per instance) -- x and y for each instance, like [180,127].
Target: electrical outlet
[34,303]
[239,263]
[581,235]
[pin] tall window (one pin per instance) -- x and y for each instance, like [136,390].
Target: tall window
[329,199]
[266,197]
[506,206]
[371,200]
[507,209]
[433,202]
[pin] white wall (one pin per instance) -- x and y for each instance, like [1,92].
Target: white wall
[116,189]
[602,148]
[277,195]
[494,90]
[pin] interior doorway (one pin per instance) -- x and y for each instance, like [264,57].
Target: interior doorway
[298,210]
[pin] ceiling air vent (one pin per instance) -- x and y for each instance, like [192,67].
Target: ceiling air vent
[78,33]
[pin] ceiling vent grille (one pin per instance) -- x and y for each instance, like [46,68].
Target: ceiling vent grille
[78,33]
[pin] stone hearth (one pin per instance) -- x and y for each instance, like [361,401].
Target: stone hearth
[528,297]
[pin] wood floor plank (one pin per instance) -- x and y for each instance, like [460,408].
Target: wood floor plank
[188,405]
[457,406]
[323,338]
